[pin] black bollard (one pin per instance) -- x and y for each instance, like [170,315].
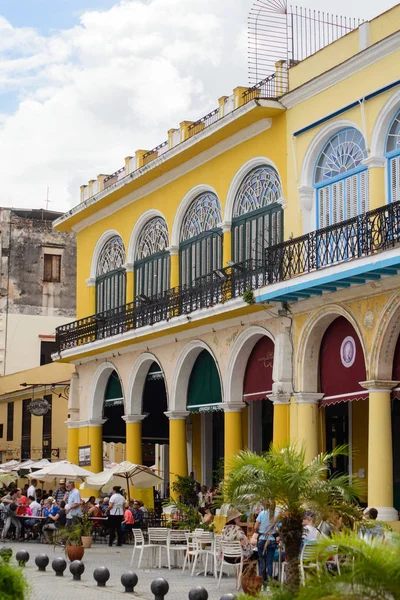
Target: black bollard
[228,597]
[101,575]
[159,588]
[198,593]
[22,557]
[129,579]
[77,568]
[41,561]
[59,565]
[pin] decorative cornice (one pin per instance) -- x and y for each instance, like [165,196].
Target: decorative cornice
[346,69]
[374,161]
[134,418]
[177,415]
[308,397]
[378,385]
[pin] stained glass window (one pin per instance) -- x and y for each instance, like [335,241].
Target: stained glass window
[344,152]
[112,256]
[203,214]
[393,139]
[153,238]
[260,188]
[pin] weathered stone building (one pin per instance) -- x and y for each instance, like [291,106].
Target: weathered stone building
[37,288]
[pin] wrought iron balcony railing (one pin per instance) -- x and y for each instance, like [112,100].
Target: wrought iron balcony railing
[361,236]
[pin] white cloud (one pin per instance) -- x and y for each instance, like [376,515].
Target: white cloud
[117,82]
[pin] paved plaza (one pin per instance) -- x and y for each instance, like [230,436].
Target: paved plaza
[46,586]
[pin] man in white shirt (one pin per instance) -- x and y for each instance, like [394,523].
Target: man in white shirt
[73,506]
[34,506]
[115,513]
[32,489]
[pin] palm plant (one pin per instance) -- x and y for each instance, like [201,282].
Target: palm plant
[283,475]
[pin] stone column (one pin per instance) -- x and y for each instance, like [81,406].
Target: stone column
[307,422]
[233,442]
[130,284]
[91,286]
[281,427]
[73,420]
[96,444]
[133,448]
[282,386]
[174,266]
[177,445]
[226,242]
[380,451]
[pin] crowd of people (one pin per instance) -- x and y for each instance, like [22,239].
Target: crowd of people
[31,513]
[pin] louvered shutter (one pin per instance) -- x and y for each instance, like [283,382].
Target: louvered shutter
[394,169]
[364,192]
[323,206]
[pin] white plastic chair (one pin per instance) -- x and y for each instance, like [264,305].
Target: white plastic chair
[307,560]
[176,542]
[191,548]
[158,538]
[204,548]
[232,550]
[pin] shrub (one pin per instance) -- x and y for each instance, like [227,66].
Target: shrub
[12,583]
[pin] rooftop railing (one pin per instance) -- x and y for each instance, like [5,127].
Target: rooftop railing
[361,236]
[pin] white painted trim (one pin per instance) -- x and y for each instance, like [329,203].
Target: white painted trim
[257,161]
[346,69]
[182,371]
[359,393]
[98,388]
[382,124]
[137,229]
[103,239]
[137,380]
[350,441]
[186,201]
[238,358]
[159,182]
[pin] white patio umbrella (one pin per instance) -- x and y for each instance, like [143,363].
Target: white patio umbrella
[63,469]
[137,475]
[7,478]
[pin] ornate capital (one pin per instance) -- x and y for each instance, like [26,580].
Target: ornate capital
[96,422]
[378,385]
[134,418]
[374,161]
[280,397]
[308,397]
[231,407]
[173,249]
[91,282]
[177,415]
[225,226]
[306,195]
[128,267]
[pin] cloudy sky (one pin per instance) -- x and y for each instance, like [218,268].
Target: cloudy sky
[84,83]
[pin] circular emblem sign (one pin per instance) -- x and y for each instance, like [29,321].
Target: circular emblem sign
[38,407]
[348,351]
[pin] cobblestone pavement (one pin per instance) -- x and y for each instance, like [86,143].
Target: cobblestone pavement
[46,586]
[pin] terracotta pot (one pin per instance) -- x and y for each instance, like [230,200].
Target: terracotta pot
[75,552]
[87,541]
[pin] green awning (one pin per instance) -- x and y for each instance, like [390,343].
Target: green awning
[113,395]
[204,390]
[155,373]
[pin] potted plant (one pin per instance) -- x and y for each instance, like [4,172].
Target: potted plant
[72,538]
[86,526]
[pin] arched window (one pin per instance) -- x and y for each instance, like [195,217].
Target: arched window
[110,275]
[152,259]
[393,156]
[257,215]
[341,179]
[200,246]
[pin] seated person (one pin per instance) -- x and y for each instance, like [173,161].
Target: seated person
[128,521]
[94,511]
[206,514]
[310,532]
[232,532]
[59,519]
[137,514]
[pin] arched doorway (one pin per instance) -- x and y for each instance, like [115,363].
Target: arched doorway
[396,426]
[204,396]
[257,386]
[155,427]
[345,402]
[114,432]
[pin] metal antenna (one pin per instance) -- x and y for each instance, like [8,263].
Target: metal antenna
[47,198]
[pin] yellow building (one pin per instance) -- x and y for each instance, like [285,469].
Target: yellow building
[238,283]
[33,412]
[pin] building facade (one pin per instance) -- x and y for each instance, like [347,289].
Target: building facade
[238,284]
[38,275]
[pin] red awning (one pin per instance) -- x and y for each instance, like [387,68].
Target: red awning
[396,394]
[351,397]
[258,375]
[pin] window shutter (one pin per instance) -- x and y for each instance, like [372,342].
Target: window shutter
[47,267]
[364,192]
[323,202]
[394,167]
[338,202]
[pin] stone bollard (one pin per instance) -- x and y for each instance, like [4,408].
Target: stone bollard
[198,593]
[22,557]
[76,568]
[41,561]
[101,575]
[129,579]
[159,588]
[59,565]
[228,597]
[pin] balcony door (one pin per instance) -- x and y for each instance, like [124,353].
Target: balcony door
[152,260]
[111,276]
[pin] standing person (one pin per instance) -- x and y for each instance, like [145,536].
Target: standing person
[73,504]
[32,488]
[115,511]
[60,492]
[266,528]
[10,502]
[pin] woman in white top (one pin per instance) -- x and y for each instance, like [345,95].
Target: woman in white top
[115,512]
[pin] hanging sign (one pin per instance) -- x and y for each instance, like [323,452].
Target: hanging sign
[38,407]
[84,456]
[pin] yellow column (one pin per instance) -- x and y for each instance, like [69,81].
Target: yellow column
[233,441]
[380,457]
[196,443]
[72,443]
[133,448]
[91,285]
[96,445]
[307,422]
[376,181]
[226,246]
[177,446]
[293,420]
[245,427]
[174,262]
[130,284]
[281,430]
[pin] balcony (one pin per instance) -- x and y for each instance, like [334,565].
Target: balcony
[357,241]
